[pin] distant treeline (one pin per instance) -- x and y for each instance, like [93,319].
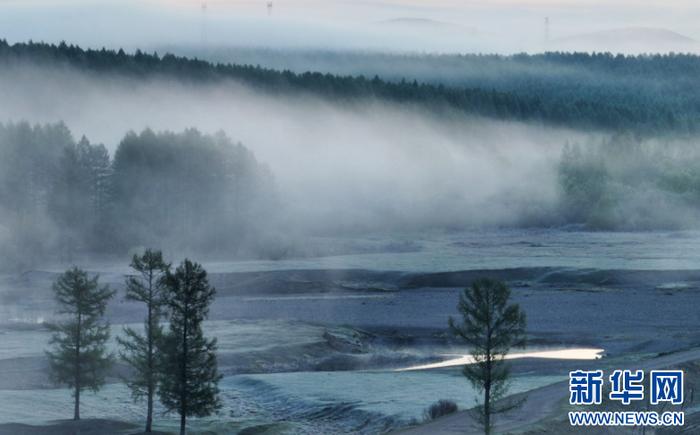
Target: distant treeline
[646,94]
[186,191]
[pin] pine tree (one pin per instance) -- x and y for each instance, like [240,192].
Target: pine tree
[491,326]
[139,350]
[78,358]
[78,194]
[189,382]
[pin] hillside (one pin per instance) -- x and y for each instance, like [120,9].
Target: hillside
[645,94]
[629,40]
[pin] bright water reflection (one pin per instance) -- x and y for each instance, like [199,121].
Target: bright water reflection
[564,354]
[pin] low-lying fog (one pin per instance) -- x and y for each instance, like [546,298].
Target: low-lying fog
[336,166]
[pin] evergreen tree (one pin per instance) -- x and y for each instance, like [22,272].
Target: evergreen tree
[160,178]
[564,89]
[189,382]
[139,350]
[491,326]
[78,194]
[29,163]
[97,168]
[78,358]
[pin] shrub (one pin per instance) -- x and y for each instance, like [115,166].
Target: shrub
[439,409]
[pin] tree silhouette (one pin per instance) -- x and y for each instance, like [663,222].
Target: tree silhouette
[189,381]
[491,326]
[78,358]
[139,350]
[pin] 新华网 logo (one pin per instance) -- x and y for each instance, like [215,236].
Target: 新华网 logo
[588,387]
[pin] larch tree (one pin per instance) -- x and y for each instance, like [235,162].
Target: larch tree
[79,357]
[190,377]
[139,349]
[491,325]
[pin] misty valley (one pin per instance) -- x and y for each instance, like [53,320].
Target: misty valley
[291,242]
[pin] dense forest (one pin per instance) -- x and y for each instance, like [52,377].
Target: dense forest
[623,183]
[191,192]
[646,94]
[183,191]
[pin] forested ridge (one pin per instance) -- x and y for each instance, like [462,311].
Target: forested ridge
[193,192]
[646,94]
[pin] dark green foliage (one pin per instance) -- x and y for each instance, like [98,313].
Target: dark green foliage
[583,181]
[78,358]
[29,168]
[490,326]
[189,381]
[53,191]
[172,189]
[139,350]
[631,184]
[645,93]
[79,196]
[60,199]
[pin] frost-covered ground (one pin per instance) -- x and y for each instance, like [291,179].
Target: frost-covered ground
[463,250]
[308,401]
[311,344]
[321,402]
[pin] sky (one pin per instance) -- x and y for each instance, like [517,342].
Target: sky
[503,26]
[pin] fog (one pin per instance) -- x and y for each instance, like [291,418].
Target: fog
[335,221]
[358,166]
[444,26]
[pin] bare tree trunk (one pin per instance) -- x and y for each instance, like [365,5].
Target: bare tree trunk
[183,424]
[487,408]
[183,381]
[149,413]
[76,409]
[149,405]
[487,381]
[76,395]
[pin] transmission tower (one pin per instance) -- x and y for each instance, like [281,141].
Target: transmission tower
[203,24]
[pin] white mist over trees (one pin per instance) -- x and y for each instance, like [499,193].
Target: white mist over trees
[347,154]
[629,183]
[186,191]
[79,197]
